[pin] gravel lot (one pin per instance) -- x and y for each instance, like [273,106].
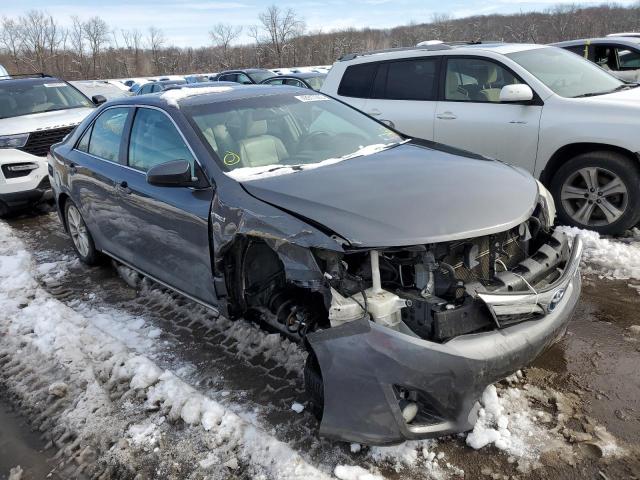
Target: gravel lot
[574,414]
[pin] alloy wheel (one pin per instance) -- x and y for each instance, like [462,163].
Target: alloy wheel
[78,231]
[594,196]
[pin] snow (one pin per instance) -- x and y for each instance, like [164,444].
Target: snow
[613,259]
[246,174]
[98,354]
[175,95]
[345,472]
[297,407]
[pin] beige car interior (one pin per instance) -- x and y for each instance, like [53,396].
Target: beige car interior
[476,82]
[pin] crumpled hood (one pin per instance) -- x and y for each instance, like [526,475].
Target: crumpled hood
[405,195]
[43,121]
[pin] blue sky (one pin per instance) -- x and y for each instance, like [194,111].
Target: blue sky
[188,22]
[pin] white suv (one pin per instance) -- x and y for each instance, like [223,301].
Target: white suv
[562,118]
[35,113]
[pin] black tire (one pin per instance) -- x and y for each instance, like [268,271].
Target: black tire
[88,255]
[314,385]
[607,165]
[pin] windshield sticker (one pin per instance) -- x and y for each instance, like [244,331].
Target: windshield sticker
[230,159]
[311,98]
[54,85]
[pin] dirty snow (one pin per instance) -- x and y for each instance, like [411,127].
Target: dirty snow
[246,174]
[175,95]
[90,349]
[613,259]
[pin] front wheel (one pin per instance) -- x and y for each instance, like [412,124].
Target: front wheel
[599,191]
[80,235]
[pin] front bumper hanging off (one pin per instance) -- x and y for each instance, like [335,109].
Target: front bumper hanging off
[363,364]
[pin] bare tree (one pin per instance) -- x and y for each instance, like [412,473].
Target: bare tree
[222,35]
[11,39]
[133,43]
[96,32]
[156,42]
[281,27]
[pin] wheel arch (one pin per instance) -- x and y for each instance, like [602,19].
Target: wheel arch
[62,200]
[571,150]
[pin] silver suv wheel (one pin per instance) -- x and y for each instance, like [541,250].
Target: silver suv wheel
[594,196]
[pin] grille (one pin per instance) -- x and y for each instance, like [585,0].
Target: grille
[510,253]
[21,169]
[39,142]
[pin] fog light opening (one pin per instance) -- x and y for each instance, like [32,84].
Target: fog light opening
[409,410]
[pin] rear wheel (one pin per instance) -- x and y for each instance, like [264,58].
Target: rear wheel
[80,235]
[314,385]
[599,191]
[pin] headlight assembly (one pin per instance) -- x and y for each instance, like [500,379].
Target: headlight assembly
[547,203]
[14,141]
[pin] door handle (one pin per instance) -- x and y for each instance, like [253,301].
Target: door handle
[374,113]
[446,116]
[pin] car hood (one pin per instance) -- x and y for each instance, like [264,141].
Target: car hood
[624,98]
[43,121]
[406,195]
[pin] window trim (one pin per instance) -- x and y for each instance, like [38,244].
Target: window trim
[126,136]
[536,100]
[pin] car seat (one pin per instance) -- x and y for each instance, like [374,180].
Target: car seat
[454,90]
[258,148]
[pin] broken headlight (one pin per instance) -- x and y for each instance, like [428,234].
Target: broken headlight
[545,199]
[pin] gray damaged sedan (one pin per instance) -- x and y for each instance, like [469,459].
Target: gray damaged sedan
[414,274]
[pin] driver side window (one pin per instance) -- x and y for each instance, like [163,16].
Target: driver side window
[475,80]
[155,140]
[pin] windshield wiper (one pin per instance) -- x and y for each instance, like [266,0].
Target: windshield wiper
[624,86]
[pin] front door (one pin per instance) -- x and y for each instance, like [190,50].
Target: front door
[470,115]
[168,234]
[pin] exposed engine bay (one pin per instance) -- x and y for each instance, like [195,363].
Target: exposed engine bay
[433,291]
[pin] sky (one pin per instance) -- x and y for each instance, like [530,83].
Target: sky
[187,23]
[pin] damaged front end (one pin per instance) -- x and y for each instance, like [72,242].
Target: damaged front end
[417,333]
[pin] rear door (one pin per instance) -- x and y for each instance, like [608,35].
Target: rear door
[167,227]
[404,93]
[470,115]
[93,165]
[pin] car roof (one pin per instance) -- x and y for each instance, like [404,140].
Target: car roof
[28,80]
[302,75]
[629,41]
[440,48]
[203,96]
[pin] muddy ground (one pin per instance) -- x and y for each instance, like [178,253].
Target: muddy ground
[596,366]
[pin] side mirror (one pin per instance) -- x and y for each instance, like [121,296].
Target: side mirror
[176,173]
[98,99]
[516,93]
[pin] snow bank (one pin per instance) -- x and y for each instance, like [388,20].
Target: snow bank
[100,362]
[613,259]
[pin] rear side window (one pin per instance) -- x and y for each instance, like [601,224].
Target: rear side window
[106,134]
[83,144]
[413,79]
[357,80]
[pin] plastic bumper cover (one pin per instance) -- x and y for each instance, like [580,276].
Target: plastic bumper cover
[362,363]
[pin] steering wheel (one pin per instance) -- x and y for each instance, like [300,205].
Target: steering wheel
[309,138]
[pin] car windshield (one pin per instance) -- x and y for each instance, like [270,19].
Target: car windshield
[566,73]
[315,82]
[260,75]
[27,97]
[266,132]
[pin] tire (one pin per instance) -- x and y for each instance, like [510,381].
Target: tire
[80,236]
[598,191]
[314,385]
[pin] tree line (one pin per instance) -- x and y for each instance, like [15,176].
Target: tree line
[90,48]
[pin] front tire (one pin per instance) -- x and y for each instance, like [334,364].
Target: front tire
[80,236]
[598,191]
